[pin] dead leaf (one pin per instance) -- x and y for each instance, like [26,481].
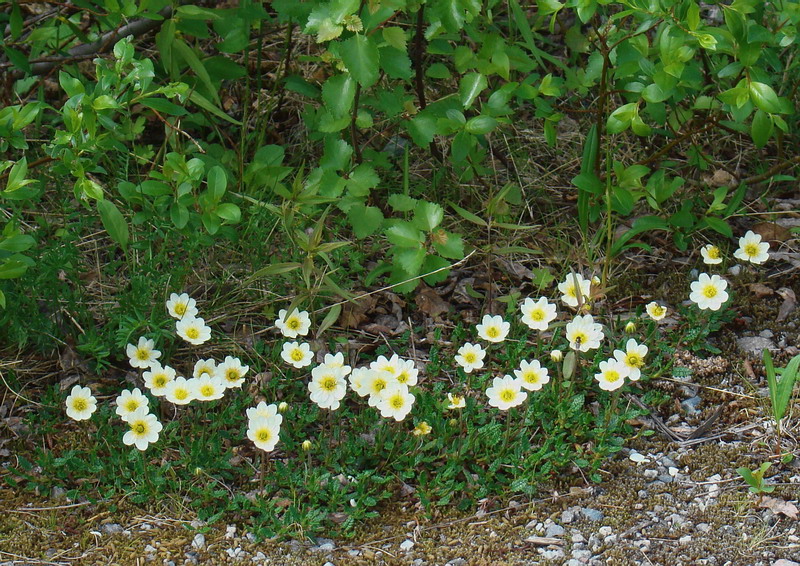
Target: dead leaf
[355,313]
[760,290]
[514,268]
[788,305]
[772,232]
[777,506]
[430,303]
[719,178]
[544,541]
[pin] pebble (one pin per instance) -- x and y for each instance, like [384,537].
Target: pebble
[567,516]
[328,564]
[690,405]
[553,554]
[259,557]
[703,527]
[199,541]
[406,545]
[111,528]
[784,562]
[591,514]
[554,531]
[230,531]
[149,549]
[604,531]
[353,553]
[685,539]
[753,345]
[457,562]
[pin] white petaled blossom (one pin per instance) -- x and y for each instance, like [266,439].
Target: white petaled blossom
[709,292]
[711,254]
[359,381]
[264,411]
[531,375]
[337,361]
[655,311]
[208,388]
[456,401]
[539,314]
[181,391]
[264,432]
[296,324]
[144,429]
[80,403]
[143,354]
[584,333]
[632,357]
[297,355]
[752,249]
[158,378]
[422,429]
[376,382]
[470,357]
[181,306]
[390,365]
[193,330]
[205,367]
[407,373]
[231,372]
[128,402]
[327,386]
[493,328]
[573,284]
[612,374]
[395,402]
[505,393]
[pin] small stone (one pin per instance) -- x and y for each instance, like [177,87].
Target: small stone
[111,528]
[251,537]
[578,538]
[685,539]
[650,474]
[199,541]
[668,462]
[353,553]
[784,562]
[259,557]
[591,514]
[149,549]
[406,545]
[553,554]
[610,540]
[328,564]
[753,345]
[604,531]
[58,492]
[191,557]
[582,555]
[457,562]
[703,527]
[554,531]
[567,516]
[230,531]
[690,405]
[325,547]
[735,270]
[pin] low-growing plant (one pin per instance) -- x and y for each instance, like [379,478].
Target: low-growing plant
[781,386]
[755,478]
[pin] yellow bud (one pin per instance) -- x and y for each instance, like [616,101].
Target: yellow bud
[630,328]
[306,445]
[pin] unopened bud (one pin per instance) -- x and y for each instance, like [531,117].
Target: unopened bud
[306,445]
[630,328]
[556,355]
[283,406]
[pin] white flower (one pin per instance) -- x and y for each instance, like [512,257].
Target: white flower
[456,401]
[752,249]
[181,391]
[128,402]
[144,429]
[655,311]
[531,375]
[376,382]
[493,328]
[264,432]
[264,411]
[297,355]
[570,291]
[632,357]
[207,388]
[327,386]
[297,323]
[470,357]
[231,372]
[395,402]
[709,292]
[584,333]
[157,378]
[205,367]
[422,429]
[193,330]
[538,315]
[181,306]
[711,254]
[505,392]
[336,361]
[359,381]
[407,373]
[143,354]
[612,374]
[390,366]
[81,403]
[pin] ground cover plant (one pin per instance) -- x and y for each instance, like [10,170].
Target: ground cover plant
[216,220]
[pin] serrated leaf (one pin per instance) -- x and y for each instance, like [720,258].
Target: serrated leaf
[365,220]
[338,93]
[448,245]
[428,215]
[361,57]
[395,36]
[410,260]
[402,203]
[404,234]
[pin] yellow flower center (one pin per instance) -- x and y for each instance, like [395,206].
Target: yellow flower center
[180,309]
[264,435]
[138,428]
[328,383]
[207,390]
[470,357]
[232,375]
[658,311]
[402,377]
[612,375]
[181,394]
[713,252]
[397,402]
[293,323]
[379,385]
[193,332]
[571,292]
[580,337]
[492,332]
[634,360]
[80,404]
[508,395]
[709,291]
[160,380]
[537,314]
[142,354]
[751,249]
[530,377]
[297,355]
[132,405]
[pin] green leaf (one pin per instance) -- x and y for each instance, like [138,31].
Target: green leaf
[229,212]
[217,182]
[13,268]
[206,105]
[761,128]
[402,203]
[589,182]
[361,57]
[480,125]
[191,12]
[410,260]
[190,58]
[179,215]
[448,245]
[365,220]
[163,106]
[2,300]
[470,86]
[404,234]
[104,102]
[330,319]
[428,215]
[17,243]
[395,36]
[719,226]
[275,269]
[765,98]
[338,93]
[113,222]
[467,215]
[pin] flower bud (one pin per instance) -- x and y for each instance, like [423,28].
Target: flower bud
[556,355]
[630,328]
[306,445]
[283,406]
